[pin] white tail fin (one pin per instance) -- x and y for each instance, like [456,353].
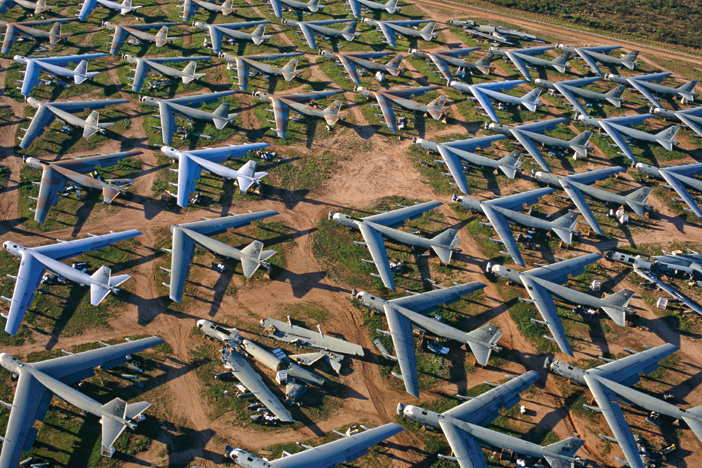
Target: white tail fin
[637,199]
[391,6]
[252,257]
[666,138]
[564,226]
[629,60]
[105,283]
[510,163]
[560,63]
[313,6]
[427,32]
[118,415]
[92,125]
[615,306]
[257,35]
[444,245]
[531,99]
[220,117]
[482,341]
[81,72]
[614,96]
[331,113]
[55,33]
[349,32]
[126,7]
[162,37]
[227,8]
[579,144]
[288,70]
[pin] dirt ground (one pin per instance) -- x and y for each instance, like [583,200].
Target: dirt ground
[361,179]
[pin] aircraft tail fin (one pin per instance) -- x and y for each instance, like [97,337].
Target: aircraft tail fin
[564,226]
[483,341]
[393,66]
[92,124]
[629,60]
[313,6]
[484,63]
[567,447]
[510,163]
[579,144]
[637,199]
[427,32]
[289,70]
[694,423]
[126,7]
[349,32]
[189,73]
[331,113]
[40,7]
[220,117]
[687,91]
[109,193]
[55,33]
[666,138]
[106,284]
[444,245]
[252,257]
[560,63]
[162,37]
[614,96]
[615,305]
[81,72]
[227,8]
[436,107]
[531,99]
[257,36]
[118,415]
[391,6]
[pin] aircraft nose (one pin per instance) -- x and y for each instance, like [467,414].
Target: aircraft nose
[538,175]
[496,269]
[639,165]
[419,141]
[400,408]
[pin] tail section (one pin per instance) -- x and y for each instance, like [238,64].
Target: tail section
[483,341]
[109,193]
[349,32]
[637,199]
[484,63]
[227,8]
[81,72]
[252,257]
[436,107]
[55,33]
[220,117]
[331,113]
[568,447]
[693,420]
[313,6]
[393,66]
[666,138]
[391,6]
[531,99]
[565,225]
[510,163]
[40,7]
[162,37]
[189,73]
[116,416]
[579,144]
[105,283]
[445,244]
[615,306]
[614,96]
[92,124]
[687,91]
[257,35]
[560,63]
[126,7]
[288,70]
[629,60]
[427,33]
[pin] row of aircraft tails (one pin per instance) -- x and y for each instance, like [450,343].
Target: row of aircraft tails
[465,425]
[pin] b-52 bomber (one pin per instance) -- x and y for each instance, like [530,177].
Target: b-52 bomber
[352,60]
[644,84]
[403,28]
[90,5]
[120,33]
[390,6]
[691,117]
[383,225]
[530,133]
[689,265]
[37,7]
[465,431]
[458,154]
[624,372]
[64,110]
[492,32]
[504,210]
[190,7]
[55,66]
[484,93]
[311,29]
[312,6]
[200,233]
[401,313]
[679,178]
[39,382]
[578,186]
[36,260]
[571,90]
[233,31]
[27,29]
[398,97]
[183,106]
[244,64]
[329,455]
[192,163]
[157,64]
[442,59]
[596,55]
[547,281]
[56,174]
[521,57]
[283,103]
[620,128]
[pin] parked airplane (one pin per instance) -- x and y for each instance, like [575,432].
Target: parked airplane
[403,28]
[54,66]
[36,260]
[56,174]
[39,382]
[402,312]
[595,55]
[90,5]
[547,281]
[442,59]
[312,6]
[27,29]
[190,7]
[64,110]
[244,64]
[311,29]
[233,31]
[352,60]
[691,117]
[37,7]
[390,6]
[144,65]
[120,33]
[521,57]
[183,106]
[398,97]
[486,92]
[644,84]
[572,89]
[680,178]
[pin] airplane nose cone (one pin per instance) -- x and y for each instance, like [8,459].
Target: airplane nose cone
[419,141]
[538,175]
[400,408]
[638,165]
[496,269]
